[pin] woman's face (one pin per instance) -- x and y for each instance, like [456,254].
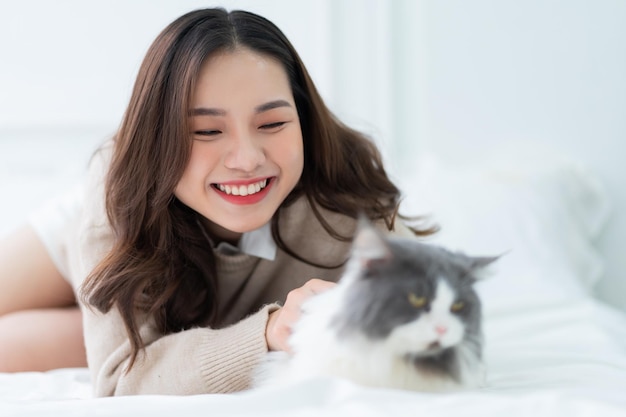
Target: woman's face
[247,152]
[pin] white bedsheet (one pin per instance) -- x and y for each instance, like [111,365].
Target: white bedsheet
[562,360]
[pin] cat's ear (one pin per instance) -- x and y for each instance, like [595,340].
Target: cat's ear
[369,245]
[479,262]
[478,266]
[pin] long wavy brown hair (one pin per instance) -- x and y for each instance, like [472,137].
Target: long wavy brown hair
[160,262]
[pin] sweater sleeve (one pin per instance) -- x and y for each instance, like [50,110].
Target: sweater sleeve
[194,361]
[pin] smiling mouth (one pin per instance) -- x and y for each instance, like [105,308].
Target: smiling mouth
[244,189]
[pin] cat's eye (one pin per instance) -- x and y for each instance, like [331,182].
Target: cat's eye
[458,306]
[417,302]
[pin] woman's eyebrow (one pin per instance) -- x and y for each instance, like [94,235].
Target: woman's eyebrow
[204,111]
[210,111]
[272,105]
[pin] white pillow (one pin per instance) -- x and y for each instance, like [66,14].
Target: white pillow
[541,213]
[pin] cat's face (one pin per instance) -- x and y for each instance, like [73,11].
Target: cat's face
[439,322]
[416,299]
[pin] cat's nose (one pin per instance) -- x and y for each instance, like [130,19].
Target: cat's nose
[441,330]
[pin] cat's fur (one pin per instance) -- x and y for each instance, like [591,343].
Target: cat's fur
[389,322]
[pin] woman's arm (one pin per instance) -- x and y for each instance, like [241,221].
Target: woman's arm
[195,361]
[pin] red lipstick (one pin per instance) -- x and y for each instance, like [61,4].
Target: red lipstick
[243,199]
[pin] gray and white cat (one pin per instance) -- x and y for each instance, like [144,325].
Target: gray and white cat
[404,315]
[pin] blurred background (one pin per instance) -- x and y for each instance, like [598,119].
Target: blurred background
[460,78]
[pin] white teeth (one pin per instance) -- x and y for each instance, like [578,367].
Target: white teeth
[243,190]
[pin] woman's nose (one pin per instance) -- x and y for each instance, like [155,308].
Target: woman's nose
[246,153]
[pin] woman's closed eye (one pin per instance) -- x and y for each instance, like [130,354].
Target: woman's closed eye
[273,125]
[206,134]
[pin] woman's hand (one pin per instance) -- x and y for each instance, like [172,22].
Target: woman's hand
[280,321]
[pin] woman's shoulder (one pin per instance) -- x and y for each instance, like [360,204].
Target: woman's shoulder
[323,236]
[301,220]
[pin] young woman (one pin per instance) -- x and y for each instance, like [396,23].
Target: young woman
[227,197]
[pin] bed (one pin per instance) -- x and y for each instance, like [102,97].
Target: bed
[552,348]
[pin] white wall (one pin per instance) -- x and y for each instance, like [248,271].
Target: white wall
[503,73]
[459,77]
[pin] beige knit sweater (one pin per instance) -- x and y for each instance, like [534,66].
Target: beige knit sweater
[199,360]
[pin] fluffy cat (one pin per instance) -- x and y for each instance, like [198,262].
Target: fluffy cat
[404,315]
